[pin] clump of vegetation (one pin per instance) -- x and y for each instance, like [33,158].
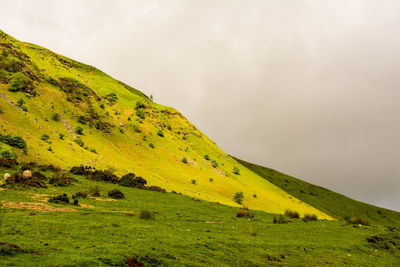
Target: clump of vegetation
[60,199]
[79,142]
[80,195]
[8,249]
[214,164]
[355,220]
[19,179]
[55,117]
[131,180]
[45,137]
[140,113]
[14,141]
[112,97]
[7,152]
[61,179]
[238,197]
[253,231]
[310,217]
[75,90]
[281,219]
[94,191]
[193,181]
[243,213]
[61,136]
[19,82]
[103,175]
[116,194]
[236,170]
[184,160]
[139,105]
[145,215]
[160,133]
[79,130]
[82,119]
[151,145]
[292,214]
[156,188]
[21,103]
[255,195]
[211,180]
[206,157]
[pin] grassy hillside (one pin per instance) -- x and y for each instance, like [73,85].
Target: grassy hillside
[165,229]
[72,114]
[334,204]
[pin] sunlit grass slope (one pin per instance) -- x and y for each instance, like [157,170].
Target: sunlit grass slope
[332,203]
[122,130]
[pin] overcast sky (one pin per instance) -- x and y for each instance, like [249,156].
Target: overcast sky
[310,88]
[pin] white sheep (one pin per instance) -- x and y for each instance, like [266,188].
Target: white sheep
[27,174]
[6,177]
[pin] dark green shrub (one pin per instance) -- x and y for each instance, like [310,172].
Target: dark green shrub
[93,150]
[156,188]
[14,141]
[145,215]
[160,133]
[60,199]
[82,119]
[139,105]
[281,219]
[112,97]
[243,213]
[19,82]
[214,164]
[79,142]
[310,217]
[140,113]
[130,180]
[45,137]
[94,191]
[55,117]
[292,214]
[255,195]
[211,180]
[8,249]
[236,170]
[184,160]
[193,181]
[8,163]
[354,220]
[238,197]
[106,175]
[61,136]
[79,130]
[206,157]
[61,179]
[76,201]
[80,195]
[151,145]
[116,194]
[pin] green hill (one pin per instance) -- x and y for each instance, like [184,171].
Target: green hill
[72,114]
[332,203]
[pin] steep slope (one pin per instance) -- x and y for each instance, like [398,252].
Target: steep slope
[334,204]
[70,114]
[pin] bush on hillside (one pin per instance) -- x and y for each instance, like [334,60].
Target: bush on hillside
[160,133]
[184,160]
[156,188]
[103,175]
[79,142]
[140,113]
[243,213]
[45,137]
[60,199]
[292,214]
[116,194]
[236,170]
[130,180]
[310,217]
[94,191]
[238,197]
[145,215]
[55,117]
[354,220]
[79,130]
[214,164]
[281,219]
[206,157]
[14,141]
[61,179]
[19,82]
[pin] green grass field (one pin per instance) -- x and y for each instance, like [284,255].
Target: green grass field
[183,232]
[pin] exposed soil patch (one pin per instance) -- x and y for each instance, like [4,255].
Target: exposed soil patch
[104,199]
[86,206]
[35,206]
